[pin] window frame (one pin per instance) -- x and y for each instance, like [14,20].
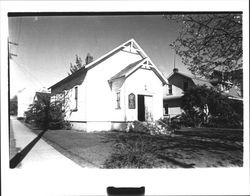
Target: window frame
[75,98]
[118,100]
[170,89]
[166,107]
[133,101]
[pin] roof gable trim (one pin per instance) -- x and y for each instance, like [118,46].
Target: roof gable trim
[151,65]
[130,43]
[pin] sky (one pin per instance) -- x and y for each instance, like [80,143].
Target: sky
[47,44]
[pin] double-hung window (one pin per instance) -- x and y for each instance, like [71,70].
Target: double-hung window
[118,100]
[170,91]
[76,99]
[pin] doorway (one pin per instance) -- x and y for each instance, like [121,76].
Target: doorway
[145,108]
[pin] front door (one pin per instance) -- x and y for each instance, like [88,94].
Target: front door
[141,108]
[145,108]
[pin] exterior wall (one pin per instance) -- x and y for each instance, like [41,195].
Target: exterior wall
[177,84]
[68,87]
[172,103]
[117,118]
[136,83]
[120,126]
[176,91]
[24,99]
[81,126]
[101,99]
[173,107]
[81,113]
[174,111]
[98,126]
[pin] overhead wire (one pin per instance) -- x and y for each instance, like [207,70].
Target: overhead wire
[29,74]
[19,34]
[24,69]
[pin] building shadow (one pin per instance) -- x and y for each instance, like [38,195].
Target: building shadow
[21,155]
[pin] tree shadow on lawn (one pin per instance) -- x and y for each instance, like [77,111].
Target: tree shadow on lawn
[224,135]
[185,146]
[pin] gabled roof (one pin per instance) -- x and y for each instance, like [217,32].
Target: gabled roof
[196,81]
[101,59]
[131,68]
[201,82]
[77,78]
[126,70]
[132,43]
[233,92]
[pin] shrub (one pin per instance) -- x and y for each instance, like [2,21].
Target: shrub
[194,103]
[46,115]
[207,107]
[132,152]
[20,118]
[175,122]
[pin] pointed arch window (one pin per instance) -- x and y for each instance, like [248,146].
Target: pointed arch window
[131,101]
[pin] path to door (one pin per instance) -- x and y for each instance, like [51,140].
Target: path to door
[42,155]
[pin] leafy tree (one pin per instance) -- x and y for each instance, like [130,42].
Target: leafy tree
[207,107]
[47,113]
[79,64]
[209,41]
[194,104]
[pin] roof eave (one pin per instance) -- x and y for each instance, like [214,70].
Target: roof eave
[71,76]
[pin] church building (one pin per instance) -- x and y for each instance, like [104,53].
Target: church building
[122,86]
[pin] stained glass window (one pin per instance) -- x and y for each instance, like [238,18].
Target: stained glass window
[131,101]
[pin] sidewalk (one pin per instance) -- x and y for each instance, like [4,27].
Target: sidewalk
[42,155]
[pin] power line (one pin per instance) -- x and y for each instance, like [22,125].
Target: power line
[19,33]
[9,53]
[29,74]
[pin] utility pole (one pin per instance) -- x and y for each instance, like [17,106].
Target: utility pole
[174,58]
[9,57]
[9,53]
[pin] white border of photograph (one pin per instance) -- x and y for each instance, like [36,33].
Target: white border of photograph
[207,181]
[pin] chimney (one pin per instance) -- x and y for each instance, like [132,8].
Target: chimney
[175,70]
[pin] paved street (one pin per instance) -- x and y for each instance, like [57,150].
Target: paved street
[42,155]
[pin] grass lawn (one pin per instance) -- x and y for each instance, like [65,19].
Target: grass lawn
[86,149]
[186,149]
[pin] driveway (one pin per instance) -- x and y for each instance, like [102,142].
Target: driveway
[41,155]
